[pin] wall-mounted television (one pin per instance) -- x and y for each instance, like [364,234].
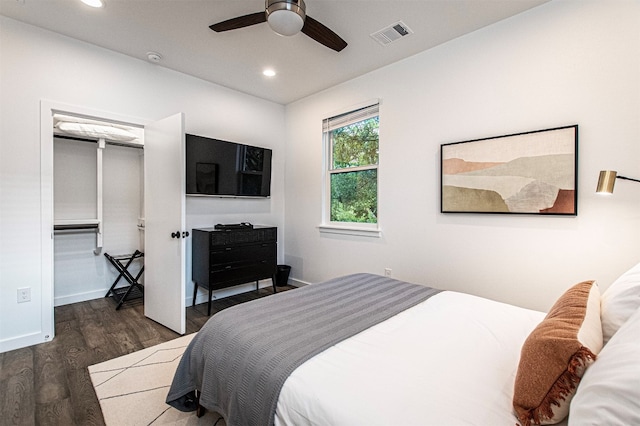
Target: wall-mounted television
[226,169]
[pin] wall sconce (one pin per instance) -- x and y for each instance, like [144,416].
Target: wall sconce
[607,180]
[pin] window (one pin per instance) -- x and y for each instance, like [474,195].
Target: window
[351,185]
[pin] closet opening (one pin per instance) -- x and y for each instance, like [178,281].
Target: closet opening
[98,204]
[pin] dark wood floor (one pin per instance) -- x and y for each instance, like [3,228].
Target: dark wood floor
[48,384]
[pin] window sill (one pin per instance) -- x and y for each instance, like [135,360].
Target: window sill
[350,230]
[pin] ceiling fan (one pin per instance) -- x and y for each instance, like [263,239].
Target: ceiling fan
[286,17]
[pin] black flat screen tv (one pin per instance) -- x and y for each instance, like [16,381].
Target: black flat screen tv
[226,169]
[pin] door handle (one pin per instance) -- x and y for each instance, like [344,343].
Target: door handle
[176,234]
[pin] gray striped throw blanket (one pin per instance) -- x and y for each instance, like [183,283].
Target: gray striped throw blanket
[242,356]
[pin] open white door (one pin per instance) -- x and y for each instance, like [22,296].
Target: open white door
[164,236]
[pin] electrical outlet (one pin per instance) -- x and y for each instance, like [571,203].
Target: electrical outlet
[24,294]
[387,272]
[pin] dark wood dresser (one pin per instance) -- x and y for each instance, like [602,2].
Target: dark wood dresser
[227,257]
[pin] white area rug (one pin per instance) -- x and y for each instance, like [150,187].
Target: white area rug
[132,388]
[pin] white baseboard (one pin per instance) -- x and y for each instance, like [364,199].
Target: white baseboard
[298,283]
[23,341]
[200,298]
[35,338]
[79,297]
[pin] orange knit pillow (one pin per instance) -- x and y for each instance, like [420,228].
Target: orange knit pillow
[556,354]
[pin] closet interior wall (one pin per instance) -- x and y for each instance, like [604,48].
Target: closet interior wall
[81,272]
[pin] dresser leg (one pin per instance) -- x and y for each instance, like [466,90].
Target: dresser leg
[209,303]
[195,292]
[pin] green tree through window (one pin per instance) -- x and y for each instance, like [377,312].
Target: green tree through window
[353,167]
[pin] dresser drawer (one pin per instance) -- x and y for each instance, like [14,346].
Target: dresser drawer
[248,236]
[241,254]
[241,273]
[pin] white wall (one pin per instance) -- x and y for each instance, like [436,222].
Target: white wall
[37,64]
[563,63]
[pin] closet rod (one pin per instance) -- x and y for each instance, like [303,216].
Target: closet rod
[76,227]
[74,138]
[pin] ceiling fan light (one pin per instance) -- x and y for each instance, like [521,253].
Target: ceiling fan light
[286,17]
[285,22]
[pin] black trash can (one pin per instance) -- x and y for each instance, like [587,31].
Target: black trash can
[282,275]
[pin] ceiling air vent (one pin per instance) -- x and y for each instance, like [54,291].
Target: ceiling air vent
[391,33]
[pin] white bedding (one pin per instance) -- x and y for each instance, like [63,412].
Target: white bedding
[450,360]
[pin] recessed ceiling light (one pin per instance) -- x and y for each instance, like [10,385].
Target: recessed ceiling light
[93,3]
[269,73]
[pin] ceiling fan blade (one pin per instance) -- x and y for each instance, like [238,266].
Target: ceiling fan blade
[322,34]
[239,22]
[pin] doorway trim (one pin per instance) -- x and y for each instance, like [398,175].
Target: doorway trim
[47,109]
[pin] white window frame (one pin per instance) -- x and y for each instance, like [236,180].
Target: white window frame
[343,118]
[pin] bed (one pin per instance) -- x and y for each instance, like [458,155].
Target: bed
[428,357]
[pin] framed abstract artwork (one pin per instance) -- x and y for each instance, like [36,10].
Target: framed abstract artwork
[525,173]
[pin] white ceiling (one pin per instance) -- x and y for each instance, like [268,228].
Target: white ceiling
[179,31]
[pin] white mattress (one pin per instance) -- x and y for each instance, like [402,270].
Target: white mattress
[450,360]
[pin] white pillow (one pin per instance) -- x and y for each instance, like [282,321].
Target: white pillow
[620,301]
[61,118]
[96,131]
[609,392]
